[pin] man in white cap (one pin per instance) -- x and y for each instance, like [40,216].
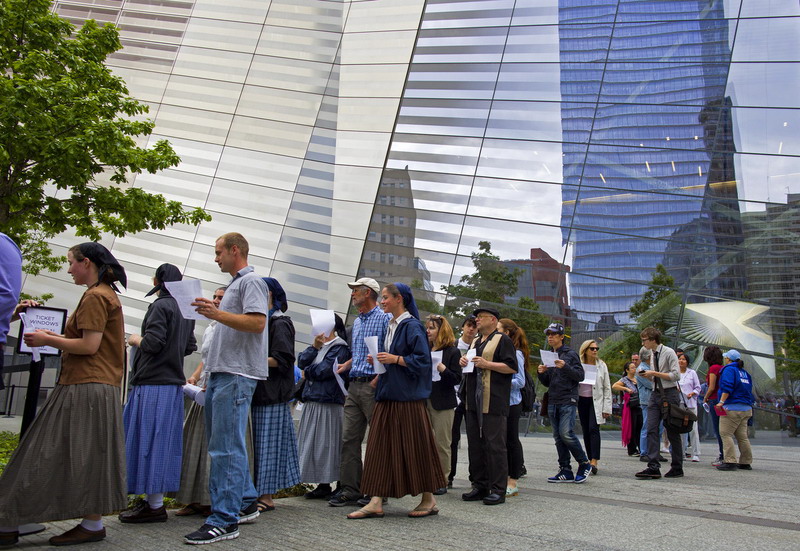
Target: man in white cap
[371,321]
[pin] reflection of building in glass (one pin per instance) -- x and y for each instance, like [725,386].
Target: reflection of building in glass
[659,142]
[772,241]
[389,250]
[544,279]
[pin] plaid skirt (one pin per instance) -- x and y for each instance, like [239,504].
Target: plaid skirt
[275,448]
[71,461]
[153,421]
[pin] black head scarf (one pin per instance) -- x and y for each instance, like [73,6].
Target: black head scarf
[278,294]
[103,259]
[164,273]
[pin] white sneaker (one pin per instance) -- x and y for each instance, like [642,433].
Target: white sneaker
[664,450]
[695,459]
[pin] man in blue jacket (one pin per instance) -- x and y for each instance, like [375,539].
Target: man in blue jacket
[736,398]
[562,380]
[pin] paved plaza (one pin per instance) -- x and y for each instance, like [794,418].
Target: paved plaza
[706,509]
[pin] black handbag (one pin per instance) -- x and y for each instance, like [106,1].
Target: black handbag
[677,418]
[633,401]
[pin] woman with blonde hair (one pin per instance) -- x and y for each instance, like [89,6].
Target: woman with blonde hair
[447,376]
[594,401]
[513,445]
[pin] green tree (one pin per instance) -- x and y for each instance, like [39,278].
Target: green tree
[788,363]
[489,284]
[65,122]
[656,308]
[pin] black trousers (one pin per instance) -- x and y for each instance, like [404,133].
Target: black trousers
[488,458]
[513,445]
[636,429]
[654,418]
[589,426]
[456,438]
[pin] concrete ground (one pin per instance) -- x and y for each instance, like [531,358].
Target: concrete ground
[706,509]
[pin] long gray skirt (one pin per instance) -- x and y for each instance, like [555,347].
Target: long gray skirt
[71,461]
[194,462]
[320,442]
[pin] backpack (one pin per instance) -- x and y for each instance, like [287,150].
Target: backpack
[528,393]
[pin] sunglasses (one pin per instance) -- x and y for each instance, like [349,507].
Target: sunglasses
[594,348]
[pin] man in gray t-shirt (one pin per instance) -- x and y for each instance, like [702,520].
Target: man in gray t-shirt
[237,358]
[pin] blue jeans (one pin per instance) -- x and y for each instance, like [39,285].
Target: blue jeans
[227,408]
[562,418]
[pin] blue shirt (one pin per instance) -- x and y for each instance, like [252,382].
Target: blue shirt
[10,282]
[370,324]
[518,381]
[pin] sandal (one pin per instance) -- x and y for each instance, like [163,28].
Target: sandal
[263,506]
[425,512]
[363,513]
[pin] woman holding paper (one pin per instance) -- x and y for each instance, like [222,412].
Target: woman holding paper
[401,454]
[320,434]
[71,461]
[594,400]
[513,445]
[446,375]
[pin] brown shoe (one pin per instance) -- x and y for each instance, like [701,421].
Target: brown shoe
[8,539]
[77,535]
[143,513]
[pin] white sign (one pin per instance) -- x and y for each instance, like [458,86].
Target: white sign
[470,367]
[322,322]
[590,374]
[436,359]
[372,347]
[40,317]
[549,358]
[185,292]
[195,393]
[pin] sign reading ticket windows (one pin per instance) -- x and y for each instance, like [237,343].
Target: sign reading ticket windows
[41,317]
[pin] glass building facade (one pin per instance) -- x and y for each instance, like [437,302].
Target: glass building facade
[587,140]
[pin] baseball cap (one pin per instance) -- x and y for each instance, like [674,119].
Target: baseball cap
[366,282]
[555,328]
[491,311]
[732,355]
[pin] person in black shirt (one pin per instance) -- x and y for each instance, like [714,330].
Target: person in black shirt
[486,393]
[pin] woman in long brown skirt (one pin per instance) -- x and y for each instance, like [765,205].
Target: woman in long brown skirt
[401,456]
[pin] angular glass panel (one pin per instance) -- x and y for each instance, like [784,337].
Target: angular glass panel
[283,105]
[770,8]
[175,185]
[481,45]
[447,117]
[441,192]
[209,33]
[249,201]
[301,44]
[434,153]
[168,29]
[193,124]
[367,114]
[644,10]
[143,85]
[529,120]
[661,82]
[541,12]
[773,39]
[517,200]
[521,160]
[384,15]
[307,14]
[248,11]
[449,14]
[289,74]
[452,81]
[373,81]
[137,54]
[255,167]
[213,64]
[541,81]
[269,136]
[764,84]
[377,47]
[767,130]
[202,93]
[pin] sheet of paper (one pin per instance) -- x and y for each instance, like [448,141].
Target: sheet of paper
[590,374]
[185,292]
[322,322]
[195,393]
[436,359]
[30,328]
[549,358]
[338,378]
[470,367]
[372,347]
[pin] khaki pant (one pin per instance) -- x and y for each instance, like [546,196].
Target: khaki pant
[442,425]
[358,408]
[735,424]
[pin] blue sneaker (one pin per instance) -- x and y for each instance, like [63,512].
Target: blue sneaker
[583,473]
[563,476]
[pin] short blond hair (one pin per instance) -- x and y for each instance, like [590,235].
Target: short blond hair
[233,238]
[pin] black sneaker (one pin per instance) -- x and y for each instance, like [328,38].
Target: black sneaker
[323,491]
[342,499]
[249,513]
[745,467]
[562,476]
[211,534]
[523,471]
[727,467]
[674,473]
[649,473]
[583,473]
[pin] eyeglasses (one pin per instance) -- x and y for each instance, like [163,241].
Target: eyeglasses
[594,348]
[483,317]
[215,297]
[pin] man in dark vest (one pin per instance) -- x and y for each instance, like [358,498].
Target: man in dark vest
[486,393]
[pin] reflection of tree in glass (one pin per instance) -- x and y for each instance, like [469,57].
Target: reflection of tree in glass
[656,308]
[488,285]
[66,120]
[788,364]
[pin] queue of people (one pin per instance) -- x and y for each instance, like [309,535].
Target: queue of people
[227,458]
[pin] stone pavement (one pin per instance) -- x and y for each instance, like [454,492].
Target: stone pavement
[706,509]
